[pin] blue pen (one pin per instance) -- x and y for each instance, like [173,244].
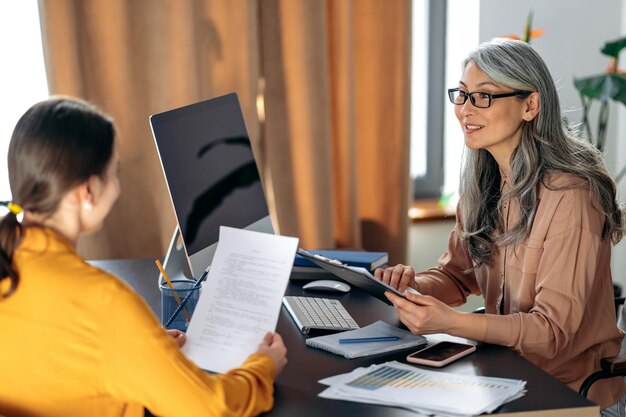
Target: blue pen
[182,304]
[370,339]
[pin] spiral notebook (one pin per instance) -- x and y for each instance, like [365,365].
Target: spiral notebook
[356,350]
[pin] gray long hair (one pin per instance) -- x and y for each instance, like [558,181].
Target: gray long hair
[546,145]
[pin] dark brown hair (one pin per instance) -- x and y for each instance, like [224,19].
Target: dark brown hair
[57,145]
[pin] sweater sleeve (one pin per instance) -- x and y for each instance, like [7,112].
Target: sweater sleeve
[453,279]
[142,364]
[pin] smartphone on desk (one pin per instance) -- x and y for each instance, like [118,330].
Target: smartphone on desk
[440,354]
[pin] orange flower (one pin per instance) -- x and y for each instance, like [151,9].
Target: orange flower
[534,34]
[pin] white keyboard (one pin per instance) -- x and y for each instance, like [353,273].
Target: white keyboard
[319,313]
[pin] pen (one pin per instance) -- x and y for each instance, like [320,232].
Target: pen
[182,305]
[169,284]
[370,339]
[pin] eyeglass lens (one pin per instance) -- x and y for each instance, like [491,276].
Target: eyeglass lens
[478,99]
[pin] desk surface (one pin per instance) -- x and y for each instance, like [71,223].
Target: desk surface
[297,388]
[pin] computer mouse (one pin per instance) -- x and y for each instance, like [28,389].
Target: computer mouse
[326,285]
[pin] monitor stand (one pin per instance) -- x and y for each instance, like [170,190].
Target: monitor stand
[175,263]
[178,266]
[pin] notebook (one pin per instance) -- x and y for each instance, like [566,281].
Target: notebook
[367,260]
[357,350]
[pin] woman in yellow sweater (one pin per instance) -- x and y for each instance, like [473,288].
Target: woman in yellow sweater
[76,341]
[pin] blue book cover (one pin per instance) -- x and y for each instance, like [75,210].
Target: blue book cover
[367,260]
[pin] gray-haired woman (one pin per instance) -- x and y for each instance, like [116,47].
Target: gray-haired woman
[535,223]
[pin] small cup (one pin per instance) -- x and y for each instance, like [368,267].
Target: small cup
[183,288]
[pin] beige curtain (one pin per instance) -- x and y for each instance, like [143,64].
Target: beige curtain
[332,147]
[337,126]
[136,58]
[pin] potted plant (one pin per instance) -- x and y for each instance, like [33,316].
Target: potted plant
[602,87]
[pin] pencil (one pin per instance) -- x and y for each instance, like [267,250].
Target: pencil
[169,284]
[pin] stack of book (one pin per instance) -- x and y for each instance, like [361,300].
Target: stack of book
[303,269]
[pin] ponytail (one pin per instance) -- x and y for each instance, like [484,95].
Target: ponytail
[10,233]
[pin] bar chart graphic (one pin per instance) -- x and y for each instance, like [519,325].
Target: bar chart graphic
[391,377]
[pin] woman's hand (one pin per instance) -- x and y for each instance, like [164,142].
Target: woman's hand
[423,314]
[274,346]
[399,277]
[179,337]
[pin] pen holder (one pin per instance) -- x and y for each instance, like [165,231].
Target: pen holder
[186,289]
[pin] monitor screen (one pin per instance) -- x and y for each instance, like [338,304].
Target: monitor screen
[211,173]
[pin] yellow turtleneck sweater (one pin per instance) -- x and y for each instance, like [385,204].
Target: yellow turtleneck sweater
[76,341]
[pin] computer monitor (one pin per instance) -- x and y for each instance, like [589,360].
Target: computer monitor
[212,178]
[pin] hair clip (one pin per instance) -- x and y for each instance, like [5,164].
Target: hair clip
[13,208]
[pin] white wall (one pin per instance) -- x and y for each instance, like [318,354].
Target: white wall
[22,73]
[575,30]
[427,241]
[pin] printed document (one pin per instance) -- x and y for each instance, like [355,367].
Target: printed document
[422,391]
[240,299]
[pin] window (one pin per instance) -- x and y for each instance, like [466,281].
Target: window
[442,38]
[22,73]
[461,38]
[427,98]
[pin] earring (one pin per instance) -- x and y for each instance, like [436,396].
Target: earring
[87,206]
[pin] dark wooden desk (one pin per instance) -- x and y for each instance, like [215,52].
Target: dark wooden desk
[297,387]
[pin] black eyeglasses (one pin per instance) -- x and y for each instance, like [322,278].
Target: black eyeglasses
[479,99]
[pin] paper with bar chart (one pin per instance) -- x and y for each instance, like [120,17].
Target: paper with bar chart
[425,392]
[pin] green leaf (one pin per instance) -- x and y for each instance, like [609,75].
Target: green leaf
[602,87]
[613,48]
[528,26]
[445,199]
